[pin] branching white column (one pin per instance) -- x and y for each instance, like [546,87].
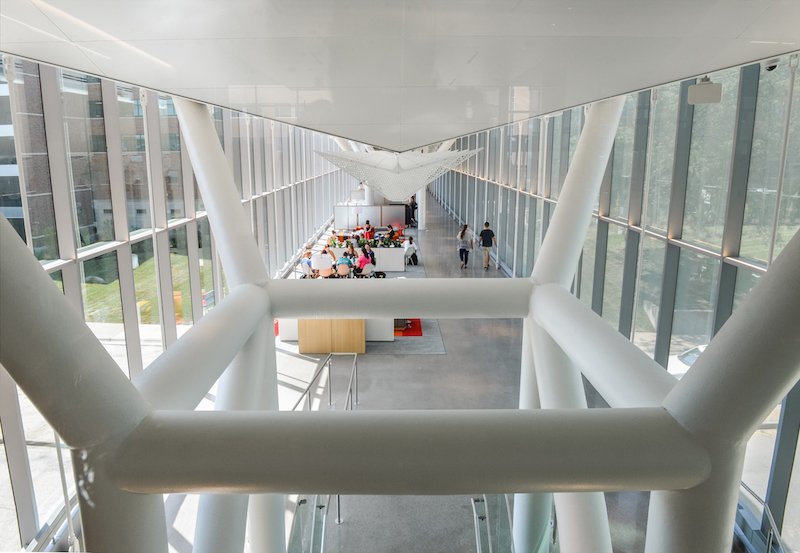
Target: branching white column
[532,511]
[78,388]
[582,518]
[246,383]
[422,204]
[721,403]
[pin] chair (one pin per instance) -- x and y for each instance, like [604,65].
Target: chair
[408,253]
[366,272]
[306,271]
[322,264]
[343,270]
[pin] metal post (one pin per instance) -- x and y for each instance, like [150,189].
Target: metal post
[355,362]
[330,382]
[338,509]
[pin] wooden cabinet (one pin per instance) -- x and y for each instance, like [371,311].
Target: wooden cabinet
[331,336]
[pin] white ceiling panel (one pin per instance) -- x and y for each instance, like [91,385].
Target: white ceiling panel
[393,73]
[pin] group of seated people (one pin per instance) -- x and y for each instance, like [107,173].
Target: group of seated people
[367,232]
[353,262]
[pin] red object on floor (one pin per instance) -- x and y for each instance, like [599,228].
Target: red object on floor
[276,327]
[414,330]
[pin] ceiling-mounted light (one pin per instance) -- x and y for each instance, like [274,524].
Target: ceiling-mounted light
[705,92]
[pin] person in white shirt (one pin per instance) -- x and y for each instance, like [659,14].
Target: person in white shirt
[464,245]
[411,250]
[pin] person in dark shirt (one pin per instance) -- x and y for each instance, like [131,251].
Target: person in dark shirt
[487,236]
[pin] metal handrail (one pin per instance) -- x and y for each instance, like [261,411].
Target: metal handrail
[348,406]
[307,392]
[773,528]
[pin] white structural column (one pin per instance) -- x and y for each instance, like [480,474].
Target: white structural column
[422,204]
[582,517]
[624,375]
[78,388]
[221,520]
[532,511]
[721,404]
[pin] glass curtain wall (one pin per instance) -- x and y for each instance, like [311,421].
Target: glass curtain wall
[139,282]
[703,230]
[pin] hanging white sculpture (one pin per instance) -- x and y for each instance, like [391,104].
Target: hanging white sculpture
[397,176]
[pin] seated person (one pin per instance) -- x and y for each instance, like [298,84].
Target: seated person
[326,272]
[363,260]
[369,231]
[328,251]
[345,260]
[351,253]
[305,259]
[369,253]
[391,234]
[411,250]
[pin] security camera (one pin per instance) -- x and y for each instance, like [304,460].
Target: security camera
[770,65]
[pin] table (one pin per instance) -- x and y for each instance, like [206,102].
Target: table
[386,259]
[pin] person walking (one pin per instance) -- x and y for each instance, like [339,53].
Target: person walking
[487,236]
[464,246]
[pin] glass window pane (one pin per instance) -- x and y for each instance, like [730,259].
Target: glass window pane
[745,280]
[9,534]
[710,164]
[694,306]
[612,286]
[790,533]
[206,264]
[218,125]
[57,279]
[44,461]
[508,232]
[102,305]
[623,161]
[171,158]
[86,144]
[789,213]
[147,305]
[575,115]
[649,300]
[181,290]
[25,108]
[587,263]
[134,158]
[555,155]
[662,155]
[537,237]
[765,156]
[199,204]
[520,255]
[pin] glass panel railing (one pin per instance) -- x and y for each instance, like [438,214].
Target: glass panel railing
[499,522]
[493,515]
[481,524]
[308,531]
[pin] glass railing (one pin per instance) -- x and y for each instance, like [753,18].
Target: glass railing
[763,523]
[308,532]
[493,514]
[311,514]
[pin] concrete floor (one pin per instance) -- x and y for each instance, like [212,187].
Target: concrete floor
[479,371]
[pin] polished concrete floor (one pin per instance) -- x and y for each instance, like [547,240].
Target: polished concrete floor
[480,370]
